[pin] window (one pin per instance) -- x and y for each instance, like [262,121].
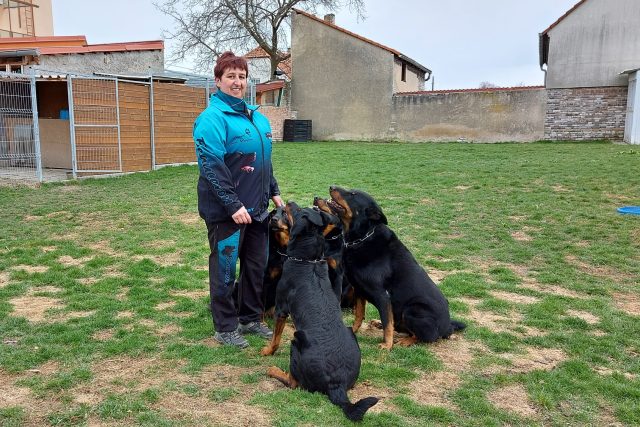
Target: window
[403,76]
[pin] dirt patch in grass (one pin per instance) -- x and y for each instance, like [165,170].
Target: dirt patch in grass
[462,187]
[601,271]
[125,315]
[31,268]
[456,353]
[4,279]
[627,302]
[35,410]
[44,289]
[168,329]
[517,298]
[513,398]
[104,247]
[69,261]
[190,219]
[432,388]
[159,244]
[553,290]
[544,359]
[104,335]
[607,371]
[191,294]
[33,308]
[165,305]
[560,189]
[47,249]
[584,315]
[521,236]
[88,281]
[488,319]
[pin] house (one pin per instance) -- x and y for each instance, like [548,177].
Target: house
[26,18]
[72,54]
[344,82]
[585,54]
[260,66]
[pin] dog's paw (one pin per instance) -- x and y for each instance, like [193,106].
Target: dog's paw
[407,342]
[267,350]
[385,346]
[274,371]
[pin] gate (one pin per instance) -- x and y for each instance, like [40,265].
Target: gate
[19,134]
[95,124]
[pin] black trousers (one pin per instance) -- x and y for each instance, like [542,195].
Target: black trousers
[229,242]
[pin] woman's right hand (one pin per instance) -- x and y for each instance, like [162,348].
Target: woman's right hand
[241,216]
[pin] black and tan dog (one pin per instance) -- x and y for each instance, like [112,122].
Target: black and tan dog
[333,252]
[325,356]
[278,241]
[384,272]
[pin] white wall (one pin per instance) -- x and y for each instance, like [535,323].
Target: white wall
[594,44]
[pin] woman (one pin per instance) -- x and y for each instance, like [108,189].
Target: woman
[233,146]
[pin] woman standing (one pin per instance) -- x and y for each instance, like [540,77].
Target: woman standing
[233,147]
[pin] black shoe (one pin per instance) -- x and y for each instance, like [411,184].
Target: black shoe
[256,328]
[231,338]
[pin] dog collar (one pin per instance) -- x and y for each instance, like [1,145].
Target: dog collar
[312,261]
[338,236]
[362,239]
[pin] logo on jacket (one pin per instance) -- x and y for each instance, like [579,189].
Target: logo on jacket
[268,135]
[246,161]
[247,131]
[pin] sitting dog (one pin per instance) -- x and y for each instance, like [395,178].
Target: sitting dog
[325,356]
[333,252]
[278,241]
[384,272]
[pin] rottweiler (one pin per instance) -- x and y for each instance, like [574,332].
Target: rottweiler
[278,241]
[325,356]
[384,272]
[333,252]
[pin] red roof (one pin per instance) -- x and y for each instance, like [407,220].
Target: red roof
[567,13]
[489,89]
[74,44]
[268,86]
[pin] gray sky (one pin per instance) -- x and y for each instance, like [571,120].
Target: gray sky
[464,42]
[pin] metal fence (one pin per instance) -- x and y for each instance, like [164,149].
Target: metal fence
[19,134]
[94,124]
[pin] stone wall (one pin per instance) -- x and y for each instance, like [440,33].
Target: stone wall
[277,116]
[138,61]
[471,115]
[586,113]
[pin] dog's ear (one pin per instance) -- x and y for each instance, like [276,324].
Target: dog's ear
[314,217]
[375,214]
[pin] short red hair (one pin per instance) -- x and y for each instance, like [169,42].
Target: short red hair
[229,60]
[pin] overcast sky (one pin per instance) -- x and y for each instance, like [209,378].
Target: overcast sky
[464,42]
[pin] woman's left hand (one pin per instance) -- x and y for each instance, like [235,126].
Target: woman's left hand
[277,200]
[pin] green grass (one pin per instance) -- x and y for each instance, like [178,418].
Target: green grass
[103,302]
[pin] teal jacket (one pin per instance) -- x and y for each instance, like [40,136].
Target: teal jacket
[234,157]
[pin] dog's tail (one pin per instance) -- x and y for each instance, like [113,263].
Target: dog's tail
[457,326]
[355,411]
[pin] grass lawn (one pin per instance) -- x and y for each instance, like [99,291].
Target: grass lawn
[103,293]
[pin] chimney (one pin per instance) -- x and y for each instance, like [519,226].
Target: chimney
[330,18]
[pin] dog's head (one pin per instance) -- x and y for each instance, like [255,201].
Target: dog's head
[279,226]
[308,228]
[357,210]
[333,228]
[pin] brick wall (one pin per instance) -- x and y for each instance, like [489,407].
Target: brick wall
[277,116]
[586,113]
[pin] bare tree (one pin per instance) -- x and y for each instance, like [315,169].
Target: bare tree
[206,28]
[486,85]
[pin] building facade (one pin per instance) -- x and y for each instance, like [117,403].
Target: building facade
[585,53]
[26,18]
